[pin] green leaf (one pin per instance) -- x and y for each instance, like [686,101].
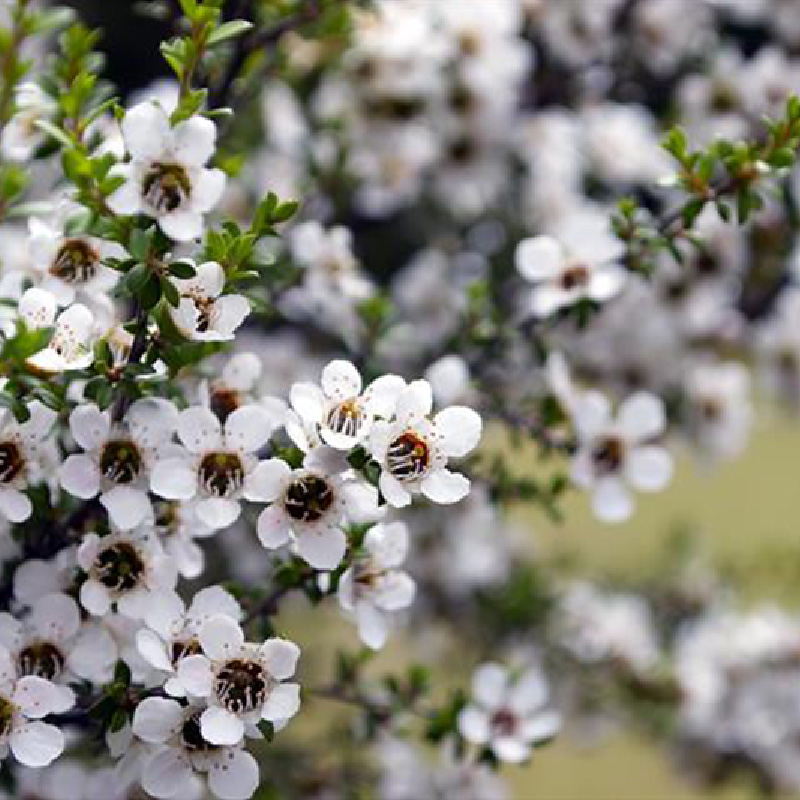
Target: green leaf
[55,132]
[182,269]
[229,30]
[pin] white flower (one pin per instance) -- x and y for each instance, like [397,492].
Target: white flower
[68,264]
[242,682]
[179,755]
[413,450]
[218,466]
[374,584]
[310,507]
[166,177]
[23,703]
[126,568]
[21,136]
[204,314]
[177,526]
[562,279]
[70,345]
[235,385]
[118,457]
[340,412]
[42,643]
[22,452]
[172,630]
[507,714]
[613,452]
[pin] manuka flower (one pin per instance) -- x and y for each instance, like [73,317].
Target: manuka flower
[166,178]
[218,466]
[413,449]
[118,457]
[241,682]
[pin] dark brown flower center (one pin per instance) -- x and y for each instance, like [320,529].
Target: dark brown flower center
[6,716]
[504,722]
[42,659]
[166,187]
[193,738]
[11,462]
[221,474]
[120,461]
[408,457]
[224,402]
[119,567]
[608,454]
[241,685]
[308,498]
[185,648]
[573,277]
[75,262]
[346,418]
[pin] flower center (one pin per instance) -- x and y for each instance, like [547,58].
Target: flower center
[75,262]
[504,722]
[241,685]
[6,716]
[224,402]
[166,187]
[11,462]
[120,461]
[42,659]
[221,474]
[119,567]
[345,418]
[573,277]
[185,648]
[608,454]
[192,737]
[711,409]
[308,498]
[408,457]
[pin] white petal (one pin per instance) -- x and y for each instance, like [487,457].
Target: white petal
[341,380]
[642,416]
[152,421]
[443,486]
[473,725]
[199,429]
[381,395]
[540,727]
[167,774]
[511,750]
[649,468]
[11,631]
[126,506]
[221,637]
[37,308]
[272,527]
[323,549]
[459,429]
[280,657]
[15,506]
[393,491]
[94,597]
[153,650]
[210,601]
[546,299]
[232,310]
[387,543]
[416,400]
[146,131]
[394,591]
[539,258]
[489,683]
[35,697]
[37,744]
[308,401]
[373,629]
[126,199]
[193,141]
[266,481]
[282,703]
[55,616]
[166,618]
[80,476]
[173,479]
[234,775]
[592,413]
[156,719]
[209,184]
[611,500]
[196,675]
[248,429]
[219,726]
[529,693]
[182,225]
[217,512]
